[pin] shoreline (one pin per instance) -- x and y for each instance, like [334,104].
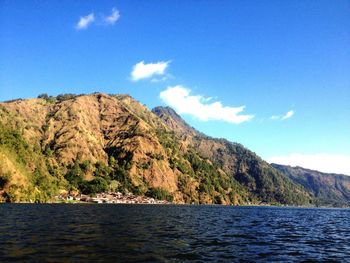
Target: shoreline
[119,198]
[130,199]
[109,198]
[161,202]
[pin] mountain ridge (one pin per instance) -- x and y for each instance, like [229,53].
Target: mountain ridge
[330,189]
[99,142]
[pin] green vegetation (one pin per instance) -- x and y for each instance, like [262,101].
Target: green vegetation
[58,98]
[328,189]
[168,140]
[97,185]
[13,140]
[35,184]
[76,173]
[66,96]
[116,172]
[49,99]
[4,179]
[160,194]
[266,183]
[218,186]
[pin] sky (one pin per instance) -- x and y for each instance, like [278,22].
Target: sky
[271,75]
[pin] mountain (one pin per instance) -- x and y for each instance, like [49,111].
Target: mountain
[328,189]
[173,121]
[99,142]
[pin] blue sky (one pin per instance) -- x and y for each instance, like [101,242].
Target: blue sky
[273,57]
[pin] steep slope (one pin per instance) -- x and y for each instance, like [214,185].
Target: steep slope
[24,172]
[261,180]
[174,122]
[329,189]
[98,142]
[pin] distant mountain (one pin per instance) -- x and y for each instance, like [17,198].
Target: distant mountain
[98,142]
[329,189]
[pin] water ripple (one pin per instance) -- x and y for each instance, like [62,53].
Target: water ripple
[141,233]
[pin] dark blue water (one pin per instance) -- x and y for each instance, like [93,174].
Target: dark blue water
[142,233]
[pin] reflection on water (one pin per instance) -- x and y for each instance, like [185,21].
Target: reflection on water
[129,233]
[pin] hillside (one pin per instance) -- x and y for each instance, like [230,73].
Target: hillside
[329,189]
[98,142]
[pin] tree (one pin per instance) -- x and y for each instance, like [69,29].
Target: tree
[43,96]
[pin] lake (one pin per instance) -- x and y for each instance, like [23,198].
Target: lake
[171,233]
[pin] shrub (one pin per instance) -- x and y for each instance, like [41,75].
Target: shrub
[160,194]
[75,175]
[94,186]
[43,96]
[102,170]
[46,97]
[85,165]
[4,179]
[66,96]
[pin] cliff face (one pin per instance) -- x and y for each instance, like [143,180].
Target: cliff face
[98,142]
[329,189]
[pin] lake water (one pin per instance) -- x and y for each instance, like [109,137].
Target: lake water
[170,233]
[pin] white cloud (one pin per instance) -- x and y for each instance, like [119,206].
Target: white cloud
[288,115]
[275,117]
[85,21]
[328,163]
[143,71]
[180,99]
[113,17]
[208,99]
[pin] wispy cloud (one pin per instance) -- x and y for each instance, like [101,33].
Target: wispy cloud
[113,17]
[275,117]
[286,116]
[144,71]
[85,21]
[328,163]
[180,99]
